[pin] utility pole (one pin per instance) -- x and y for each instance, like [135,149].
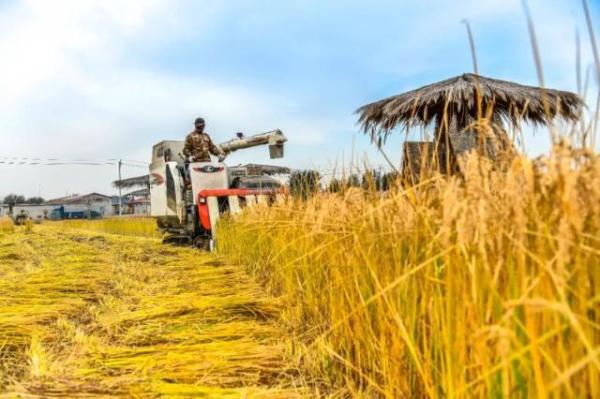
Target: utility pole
[120,197]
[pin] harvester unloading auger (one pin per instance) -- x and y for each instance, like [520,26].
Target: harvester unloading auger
[187,199]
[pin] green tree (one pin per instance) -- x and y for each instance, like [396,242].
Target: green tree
[353,181]
[13,199]
[34,200]
[304,183]
[388,180]
[335,185]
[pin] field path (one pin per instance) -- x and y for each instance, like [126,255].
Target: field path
[97,315]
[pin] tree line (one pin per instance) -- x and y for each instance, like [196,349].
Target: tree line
[304,183]
[14,199]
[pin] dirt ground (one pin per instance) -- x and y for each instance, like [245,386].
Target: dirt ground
[98,315]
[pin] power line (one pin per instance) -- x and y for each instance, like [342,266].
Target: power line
[128,160]
[54,163]
[130,165]
[107,160]
[20,160]
[68,163]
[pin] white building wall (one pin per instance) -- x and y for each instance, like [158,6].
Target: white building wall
[141,209]
[104,208]
[100,205]
[36,212]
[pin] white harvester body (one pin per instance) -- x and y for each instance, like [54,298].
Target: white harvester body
[188,198]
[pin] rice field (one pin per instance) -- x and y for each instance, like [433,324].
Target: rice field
[129,226]
[485,286]
[6,225]
[88,314]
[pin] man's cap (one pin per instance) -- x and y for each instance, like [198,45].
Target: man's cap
[198,120]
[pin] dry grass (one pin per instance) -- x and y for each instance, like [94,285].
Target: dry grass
[482,287]
[129,226]
[84,314]
[6,225]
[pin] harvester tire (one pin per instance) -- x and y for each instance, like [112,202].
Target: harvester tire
[176,240]
[202,243]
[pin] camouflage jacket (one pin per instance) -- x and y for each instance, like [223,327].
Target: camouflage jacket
[200,146]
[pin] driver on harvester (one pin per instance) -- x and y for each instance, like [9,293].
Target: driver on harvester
[199,146]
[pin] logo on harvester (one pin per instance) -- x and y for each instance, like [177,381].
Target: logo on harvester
[209,169]
[157,179]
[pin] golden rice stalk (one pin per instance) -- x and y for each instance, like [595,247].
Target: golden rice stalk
[84,314]
[480,286]
[131,226]
[6,225]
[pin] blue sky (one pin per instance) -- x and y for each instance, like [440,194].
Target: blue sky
[107,79]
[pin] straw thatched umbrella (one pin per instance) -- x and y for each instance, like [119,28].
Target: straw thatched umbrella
[457,105]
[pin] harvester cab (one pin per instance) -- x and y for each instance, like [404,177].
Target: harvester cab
[187,199]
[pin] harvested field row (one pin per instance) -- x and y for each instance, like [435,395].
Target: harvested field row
[84,314]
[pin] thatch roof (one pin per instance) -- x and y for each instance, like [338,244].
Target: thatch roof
[138,181]
[459,96]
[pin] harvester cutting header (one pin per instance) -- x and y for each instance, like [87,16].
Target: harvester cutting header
[188,191]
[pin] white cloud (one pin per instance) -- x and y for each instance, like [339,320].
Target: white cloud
[69,92]
[69,88]
[43,41]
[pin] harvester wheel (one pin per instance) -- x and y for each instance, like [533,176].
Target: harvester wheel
[202,243]
[177,240]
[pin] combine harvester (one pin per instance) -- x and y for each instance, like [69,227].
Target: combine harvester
[187,199]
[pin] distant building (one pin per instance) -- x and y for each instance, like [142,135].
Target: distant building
[91,205]
[139,202]
[35,212]
[133,203]
[124,205]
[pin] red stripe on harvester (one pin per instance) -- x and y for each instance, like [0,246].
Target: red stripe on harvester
[226,192]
